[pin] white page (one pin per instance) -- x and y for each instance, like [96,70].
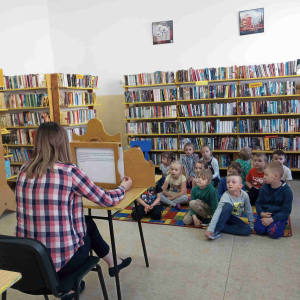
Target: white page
[121,163]
[97,163]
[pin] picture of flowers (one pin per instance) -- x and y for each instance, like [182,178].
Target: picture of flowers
[162,32]
[251,21]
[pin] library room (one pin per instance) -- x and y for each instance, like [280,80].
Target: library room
[149,150]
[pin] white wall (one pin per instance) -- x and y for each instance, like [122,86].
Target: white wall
[25,45]
[113,38]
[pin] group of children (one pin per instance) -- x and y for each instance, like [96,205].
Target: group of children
[217,203]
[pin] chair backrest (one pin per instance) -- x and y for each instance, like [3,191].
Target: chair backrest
[145,146]
[30,258]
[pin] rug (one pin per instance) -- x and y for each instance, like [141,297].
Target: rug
[172,216]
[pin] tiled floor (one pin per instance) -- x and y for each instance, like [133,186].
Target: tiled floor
[184,265]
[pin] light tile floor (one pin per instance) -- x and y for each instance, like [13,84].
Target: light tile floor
[184,265]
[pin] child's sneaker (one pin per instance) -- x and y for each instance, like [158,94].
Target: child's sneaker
[177,206]
[216,235]
[206,222]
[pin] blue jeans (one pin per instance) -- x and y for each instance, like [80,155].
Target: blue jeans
[274,230]
[231,224]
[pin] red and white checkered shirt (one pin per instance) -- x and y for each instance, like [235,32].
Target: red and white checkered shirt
[50,209]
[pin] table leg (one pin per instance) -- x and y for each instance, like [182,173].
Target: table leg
[141,234]
[4,295]
[113,246]
[90,215]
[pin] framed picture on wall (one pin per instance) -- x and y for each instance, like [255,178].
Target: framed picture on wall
[162,32]
[251,21]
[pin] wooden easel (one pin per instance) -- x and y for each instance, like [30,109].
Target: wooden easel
[136,167]
[7,197]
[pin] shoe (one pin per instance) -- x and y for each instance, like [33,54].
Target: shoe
[205,222]
[125,263]
[71,296]
[177,206]
[216,235]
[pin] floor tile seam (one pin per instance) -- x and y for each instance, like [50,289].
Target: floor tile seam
[229,267]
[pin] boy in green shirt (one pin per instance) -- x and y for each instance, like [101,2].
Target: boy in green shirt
[204,200]
[244,161]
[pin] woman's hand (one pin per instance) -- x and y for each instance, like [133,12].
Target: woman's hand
[126,183]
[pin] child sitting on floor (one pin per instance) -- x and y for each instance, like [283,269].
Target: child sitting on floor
[166,159]
[149,204]
[279,156]
[255,177]
[234,168]
[274,203]
[189,160]
[244,161]
[204,200]
[199,165]
[226,217]
[212,163]
[176,195]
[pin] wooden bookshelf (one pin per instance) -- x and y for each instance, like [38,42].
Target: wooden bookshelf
[238,100]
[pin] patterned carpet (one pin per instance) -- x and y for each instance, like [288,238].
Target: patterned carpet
[171,216]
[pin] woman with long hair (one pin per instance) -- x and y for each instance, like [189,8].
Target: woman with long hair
[49,195]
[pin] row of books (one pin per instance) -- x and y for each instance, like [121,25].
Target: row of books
[23,100]
[224,160]
[270,70]
[167,127]
[155,157]
[157,77]
[76,98]
[270,88]
[222,91]
[150,95]
[269,125]
[20,137]
[216,143]
[151,112]
[196,92]
[221,73]
[270,143]
[72,117]
[14,170]
[269,107]
[293,161]
[77,130]
[25,81]
[160,143]
[27,118]
[215,126]
[77,80]
[207,109]
[20,154]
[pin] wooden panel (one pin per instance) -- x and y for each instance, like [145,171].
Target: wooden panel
[130,196]
[7,279]
[55,98]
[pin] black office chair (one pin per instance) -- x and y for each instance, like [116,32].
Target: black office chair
[32,259]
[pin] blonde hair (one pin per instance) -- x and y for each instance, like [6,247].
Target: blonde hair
[51,145]
[245,153]
[182,168]
[206,146]
[205,174]
[275,167]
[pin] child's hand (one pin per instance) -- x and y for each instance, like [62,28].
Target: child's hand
[147,208]
[267,221]
[197,223]
[253,231]
[208,234]
[171,198]
[266,215]
[151,206]
[126,183]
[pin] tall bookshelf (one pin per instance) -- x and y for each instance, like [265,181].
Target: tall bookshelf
[238,99]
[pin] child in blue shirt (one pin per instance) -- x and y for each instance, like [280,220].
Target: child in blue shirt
[274,203]
[234,168]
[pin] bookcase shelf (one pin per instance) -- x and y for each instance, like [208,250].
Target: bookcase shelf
[148,85]
[3,109]
[22,127]
[238,99]
[27,108]
[16,145]
[152,134]
[17,163]
[77,88]
[12,178]
[165,150]
[70,125]
[25,89]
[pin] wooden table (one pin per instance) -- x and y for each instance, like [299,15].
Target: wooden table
[7,279]
[130,197]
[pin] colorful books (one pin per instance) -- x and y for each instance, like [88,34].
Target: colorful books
[25,81]
[77,130]
[76,98]
[157,77]
[160,143]
[20,137]
[20,155]
[216,143]
[216,126]
[72,117]
[27,118]
[222,91]
[195,92]
[149,112]
[150,95]
[167,127]
[77,80]
[24,100]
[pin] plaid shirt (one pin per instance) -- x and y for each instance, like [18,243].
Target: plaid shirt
[50,209]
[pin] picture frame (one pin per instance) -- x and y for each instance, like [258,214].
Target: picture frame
[162,32]
[251,21]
